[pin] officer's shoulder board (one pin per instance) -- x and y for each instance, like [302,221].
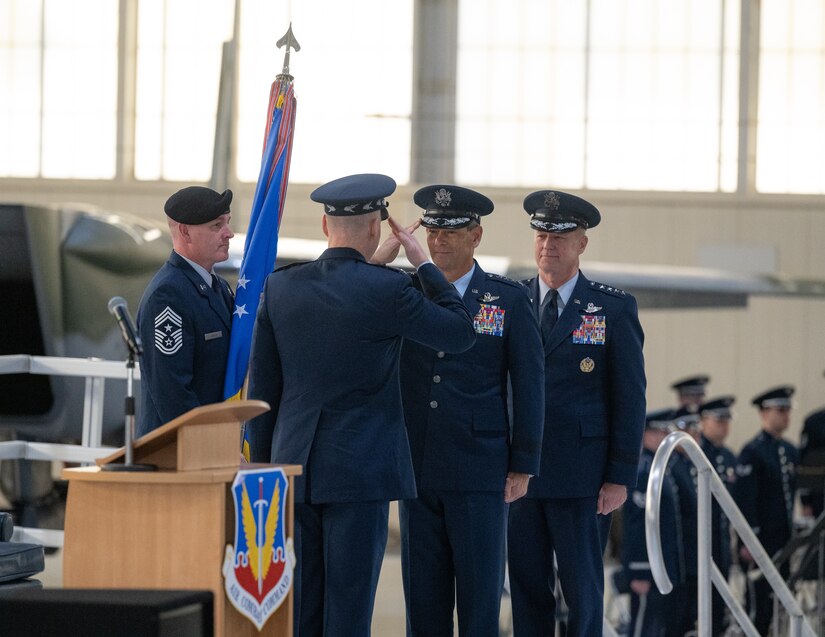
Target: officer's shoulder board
[391,268]
[290,265]
[498,278]
[609,289]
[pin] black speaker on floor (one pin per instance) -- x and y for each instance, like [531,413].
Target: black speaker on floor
[107,612]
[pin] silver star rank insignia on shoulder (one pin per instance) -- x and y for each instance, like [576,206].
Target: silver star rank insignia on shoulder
[591,308]
[488,298]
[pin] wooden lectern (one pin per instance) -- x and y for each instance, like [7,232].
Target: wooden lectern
[168,528]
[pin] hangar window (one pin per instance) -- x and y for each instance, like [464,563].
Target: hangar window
[791,134]
[178,73]
[353,84]
[178,70]
[605,94]
[58,88]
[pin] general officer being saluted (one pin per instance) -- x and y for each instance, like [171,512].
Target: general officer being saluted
[186,311]
[469,457]
[325,356]
[593,423]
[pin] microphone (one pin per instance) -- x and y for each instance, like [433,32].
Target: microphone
[120,310]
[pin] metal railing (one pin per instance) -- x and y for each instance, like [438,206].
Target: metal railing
[710,483]
[95,371]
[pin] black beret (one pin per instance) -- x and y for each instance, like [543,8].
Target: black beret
[450,207]
[555,211]
[693,385]
[776,397]
[355,195]
[717,407]
[195,205]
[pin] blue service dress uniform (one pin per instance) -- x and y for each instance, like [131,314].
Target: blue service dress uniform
[594,418]
[462,444]
[685,476]
[724,462]
[764,491]
[325,356]
[812,461]
[184,325]
[653,615]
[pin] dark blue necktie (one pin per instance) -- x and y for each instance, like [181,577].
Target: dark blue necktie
[218,288]
[549,313]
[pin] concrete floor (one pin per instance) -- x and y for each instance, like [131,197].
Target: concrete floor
[388,617]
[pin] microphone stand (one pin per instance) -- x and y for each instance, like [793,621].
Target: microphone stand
[128,461]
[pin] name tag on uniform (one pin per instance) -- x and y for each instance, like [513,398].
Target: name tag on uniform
[591,331]
[489,320]
[211,336]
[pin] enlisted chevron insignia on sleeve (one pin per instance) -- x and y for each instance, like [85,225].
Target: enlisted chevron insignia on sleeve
[168,331]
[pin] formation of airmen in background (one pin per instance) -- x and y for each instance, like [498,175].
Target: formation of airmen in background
[763,480]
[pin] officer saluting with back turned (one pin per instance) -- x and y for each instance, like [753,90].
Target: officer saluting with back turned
[593,423]
[325,356]
[185,314]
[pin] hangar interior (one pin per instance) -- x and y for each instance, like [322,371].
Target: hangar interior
[696,128]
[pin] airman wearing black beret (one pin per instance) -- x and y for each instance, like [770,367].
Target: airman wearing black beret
[186,311]
[195,205]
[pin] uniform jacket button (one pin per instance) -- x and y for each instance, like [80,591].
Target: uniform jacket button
[436,378]
[433,404]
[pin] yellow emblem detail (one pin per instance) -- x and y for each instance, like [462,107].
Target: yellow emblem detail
[250,530]
[587,365]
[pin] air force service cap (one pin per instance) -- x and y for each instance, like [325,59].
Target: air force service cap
[718,408]
[691,386]
[450,207]
[195,205]
[355,195]
[660,420]
[686,419]
[559,212]
[776,397]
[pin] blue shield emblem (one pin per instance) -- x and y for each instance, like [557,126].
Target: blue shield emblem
[258,569]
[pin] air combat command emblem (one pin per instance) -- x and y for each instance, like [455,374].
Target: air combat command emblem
[258,569]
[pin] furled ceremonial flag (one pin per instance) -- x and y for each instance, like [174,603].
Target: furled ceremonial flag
[261,245]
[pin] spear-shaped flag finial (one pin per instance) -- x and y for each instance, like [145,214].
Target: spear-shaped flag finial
[288,40]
